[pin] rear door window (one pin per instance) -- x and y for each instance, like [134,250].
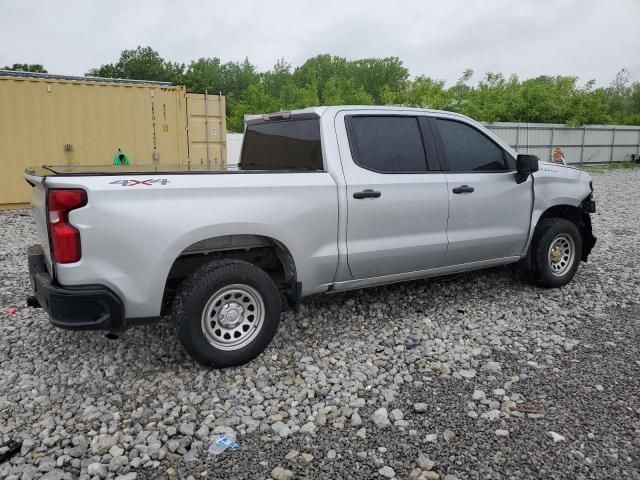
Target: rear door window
[468,149]
[285,145]
[387,144]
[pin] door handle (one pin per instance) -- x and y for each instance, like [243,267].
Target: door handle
[463,189]
[368,193]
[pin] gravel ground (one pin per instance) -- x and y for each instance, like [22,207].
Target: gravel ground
[500,380]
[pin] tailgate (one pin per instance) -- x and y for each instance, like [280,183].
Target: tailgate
[39,212]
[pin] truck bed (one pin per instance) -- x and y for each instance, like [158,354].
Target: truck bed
[124,227]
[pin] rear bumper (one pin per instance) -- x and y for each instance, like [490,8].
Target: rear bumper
[82,307]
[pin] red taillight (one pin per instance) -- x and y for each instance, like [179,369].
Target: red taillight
[65,238]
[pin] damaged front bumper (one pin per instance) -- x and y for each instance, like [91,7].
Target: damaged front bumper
[588,238]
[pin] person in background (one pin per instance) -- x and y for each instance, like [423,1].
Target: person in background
[558,156]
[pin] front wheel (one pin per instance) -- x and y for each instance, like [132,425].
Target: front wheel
[227,313]
[557,251]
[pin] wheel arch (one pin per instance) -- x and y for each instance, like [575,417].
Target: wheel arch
[263,251]
[568,212]
[578,215]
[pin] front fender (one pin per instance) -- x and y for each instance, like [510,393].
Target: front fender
[558,186]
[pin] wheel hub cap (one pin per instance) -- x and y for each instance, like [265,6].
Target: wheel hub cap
[561,254]
[233,317]
[230,315]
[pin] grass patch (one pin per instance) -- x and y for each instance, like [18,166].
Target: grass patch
[611,166]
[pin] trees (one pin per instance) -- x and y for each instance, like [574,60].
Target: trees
[333,80]
[142,63]
[375,75]
[26,67]
[318,71]
[623,99]
[337,80]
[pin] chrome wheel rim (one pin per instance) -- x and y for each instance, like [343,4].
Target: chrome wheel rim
[233,317]
[561,254]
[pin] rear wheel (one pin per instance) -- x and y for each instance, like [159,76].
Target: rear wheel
[557,251]
[227,312]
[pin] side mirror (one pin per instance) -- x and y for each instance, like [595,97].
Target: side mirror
[525,166]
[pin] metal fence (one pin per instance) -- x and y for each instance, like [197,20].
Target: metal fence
[579,145]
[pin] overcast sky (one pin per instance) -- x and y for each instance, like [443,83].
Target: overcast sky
[587,38]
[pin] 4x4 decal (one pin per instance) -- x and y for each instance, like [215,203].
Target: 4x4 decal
[133,183]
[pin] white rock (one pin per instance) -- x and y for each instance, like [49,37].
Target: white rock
[292,454]
[356,421]
[188,429]
[556,437]
[387,472]
[128,476]
[478,395]
[281,429]
[116,451]
[491,415]
[381,418]
[493,367]
[396,414]
[101,444]
[424,462]
[280,473]
[420,407]
[308,427]
[429,475]
[469,373]
[97,469]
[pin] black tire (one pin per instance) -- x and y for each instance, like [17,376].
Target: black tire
[566,236]
[197,294]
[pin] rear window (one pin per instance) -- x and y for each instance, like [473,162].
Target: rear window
[287,145]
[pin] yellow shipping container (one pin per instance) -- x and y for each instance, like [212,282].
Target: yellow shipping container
[207,130]
[47,120]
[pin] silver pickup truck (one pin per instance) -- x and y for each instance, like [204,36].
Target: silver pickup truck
[325,199]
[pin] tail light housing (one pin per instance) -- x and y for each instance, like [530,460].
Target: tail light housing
[65,238]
